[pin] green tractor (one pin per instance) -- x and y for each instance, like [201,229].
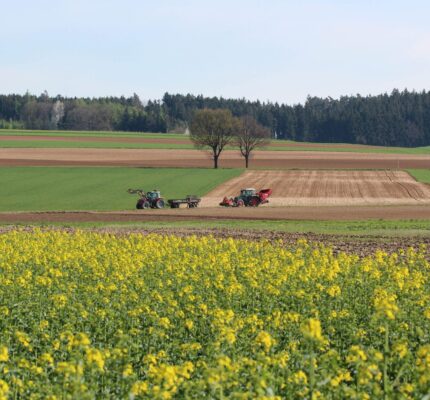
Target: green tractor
[151,199]
[248,197]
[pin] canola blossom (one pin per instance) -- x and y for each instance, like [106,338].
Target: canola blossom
[89,315]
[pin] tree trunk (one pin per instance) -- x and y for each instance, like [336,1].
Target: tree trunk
[216,161]
[246,161]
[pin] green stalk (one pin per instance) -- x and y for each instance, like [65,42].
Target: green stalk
[311,376]
[386,355]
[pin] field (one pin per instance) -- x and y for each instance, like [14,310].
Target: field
[65,139]
[298,195]
[166,158]
[101,188]
[99,183]
[322,293]
[327,188]
[88,315]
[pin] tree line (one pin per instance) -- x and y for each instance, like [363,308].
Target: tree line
[81,114]
[401,118]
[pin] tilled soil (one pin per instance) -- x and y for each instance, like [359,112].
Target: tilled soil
[202,159]
[325,188]
[360,245]
[265,212]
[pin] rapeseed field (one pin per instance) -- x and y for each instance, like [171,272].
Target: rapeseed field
[89,315]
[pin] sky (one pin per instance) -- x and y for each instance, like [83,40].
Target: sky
[272,50]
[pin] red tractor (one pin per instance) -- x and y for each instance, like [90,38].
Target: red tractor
[149,199]
[248,198]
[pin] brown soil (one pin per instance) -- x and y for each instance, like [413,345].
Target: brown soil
[193,158]
[324,145]
[327,188]
[360,245]
[321,213]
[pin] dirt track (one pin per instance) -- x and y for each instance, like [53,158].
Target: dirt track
[344,213]
[193,158]
[328,188]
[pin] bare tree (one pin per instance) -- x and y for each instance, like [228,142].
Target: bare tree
[250,136]
[57,114]
[213,129]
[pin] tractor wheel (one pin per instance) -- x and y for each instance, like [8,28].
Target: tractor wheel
[139,204]
[159,203]
[254,202]
[142,204]
[240,203]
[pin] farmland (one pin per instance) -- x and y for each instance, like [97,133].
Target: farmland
[95,179]
[97,189]
[165,317]
[127,140]
[325,188]
[322,293]
[102,188]
[187,158]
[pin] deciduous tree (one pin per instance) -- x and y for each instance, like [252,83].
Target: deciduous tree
[250,135]
[213,129]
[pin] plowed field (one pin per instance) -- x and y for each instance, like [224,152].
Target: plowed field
[328,188]
[201,159]
[323,213]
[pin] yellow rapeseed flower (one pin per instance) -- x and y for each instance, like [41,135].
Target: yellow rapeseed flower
[264,339]
[4,354]
[312,329]
[95,356]
[4,390]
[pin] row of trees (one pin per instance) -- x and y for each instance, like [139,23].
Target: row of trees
[92,114]
[396,119]
[216,129]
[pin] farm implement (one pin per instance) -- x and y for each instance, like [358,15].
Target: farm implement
[191,201]
[153,199]
[248,198]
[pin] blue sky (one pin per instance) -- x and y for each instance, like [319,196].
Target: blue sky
[276,50]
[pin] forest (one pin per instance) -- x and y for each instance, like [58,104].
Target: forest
[401,118]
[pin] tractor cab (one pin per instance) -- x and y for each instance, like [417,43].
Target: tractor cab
[155,194]
[248,192]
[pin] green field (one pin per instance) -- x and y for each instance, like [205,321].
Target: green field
[281,145]
[34,144]
[421,175]
[39,144]
[99,188]
[9,132]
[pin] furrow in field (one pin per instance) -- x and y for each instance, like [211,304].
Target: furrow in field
[318,188]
